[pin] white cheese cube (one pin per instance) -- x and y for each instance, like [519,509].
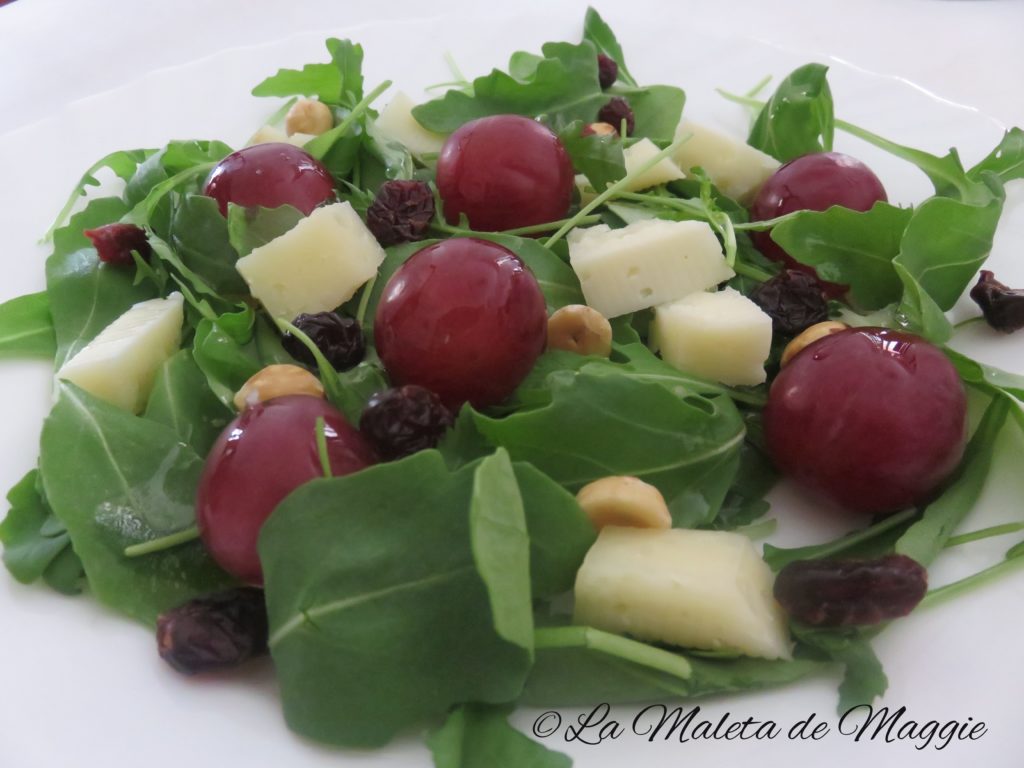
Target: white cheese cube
[645,263]
[733,166]
[720,336]
[696,589]
[316,266]
[662,172]
[120,365]
[397,123]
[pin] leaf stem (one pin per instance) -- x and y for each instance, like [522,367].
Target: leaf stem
[321,447]
[533,229]
[616,188]
[170,541]
[984,533]
[322,144]
[364,299]
[942,594]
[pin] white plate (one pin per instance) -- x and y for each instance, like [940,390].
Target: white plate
[84,687]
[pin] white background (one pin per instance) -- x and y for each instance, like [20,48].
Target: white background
[79,686]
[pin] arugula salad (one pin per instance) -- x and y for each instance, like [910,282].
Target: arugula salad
[473,403]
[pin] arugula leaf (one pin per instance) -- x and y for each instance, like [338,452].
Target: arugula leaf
[123,163]
[925,539]
[597,425]
[577,666]
[32,537]
[864,679]
[250,228]
[182,400]
[233,348]
[918,311]
[656,108]
[339,83]
[987,377]
[86,295]
[560,532]
[379,621]
[1006,160]
[599,158]
[382,159]
[798,119]
[134,482]
[850,248]
[481,737]
[597,31]
[26,327]
[946,241]
[178,157]
[199,236]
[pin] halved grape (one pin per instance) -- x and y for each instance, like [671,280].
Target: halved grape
[465,319]
[270,175]
[871,418]
[267,452]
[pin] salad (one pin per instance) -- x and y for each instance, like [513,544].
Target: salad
[419,372]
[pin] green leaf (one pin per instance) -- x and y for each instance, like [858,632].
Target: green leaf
[250,228]
[798,118]
[599,158]
[178,157]
[379,616]
[925,539]
[182,400]
[86,295]
[850,248]
[560,532]
[918,311]
[382,159]
[864,680]
[946,242]
[598,425]
[597,31]
[232,349]
[563,85]
[134,481]
[339,83]
[33,539]
[1006,160]
[481,737]
[578,666]
[987,377]
[656,108]
[123,163]
[26,327]
[199,236]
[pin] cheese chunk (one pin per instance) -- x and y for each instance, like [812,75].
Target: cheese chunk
[397,123]
[120,364]
[662,172]
[269,134]
[316,266]
[695,589]
[721,336]
[733,166]
[645,263]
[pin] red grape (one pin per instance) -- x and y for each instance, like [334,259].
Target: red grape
[504,172]
[463,318]
[814,182]
[870,418]
[270,175]
[268,451]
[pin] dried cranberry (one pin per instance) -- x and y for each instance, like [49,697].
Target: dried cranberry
[215,632]
[401,212]
[114,243]
[837,593]
[404,420]
[794,301]
[1002,306]
[338,337]
[615,111]
[607,71]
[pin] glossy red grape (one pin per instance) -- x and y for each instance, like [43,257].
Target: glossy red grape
[270,175]
[268,451]
[871,418]
[504,172]
[463,318]
[814,182]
